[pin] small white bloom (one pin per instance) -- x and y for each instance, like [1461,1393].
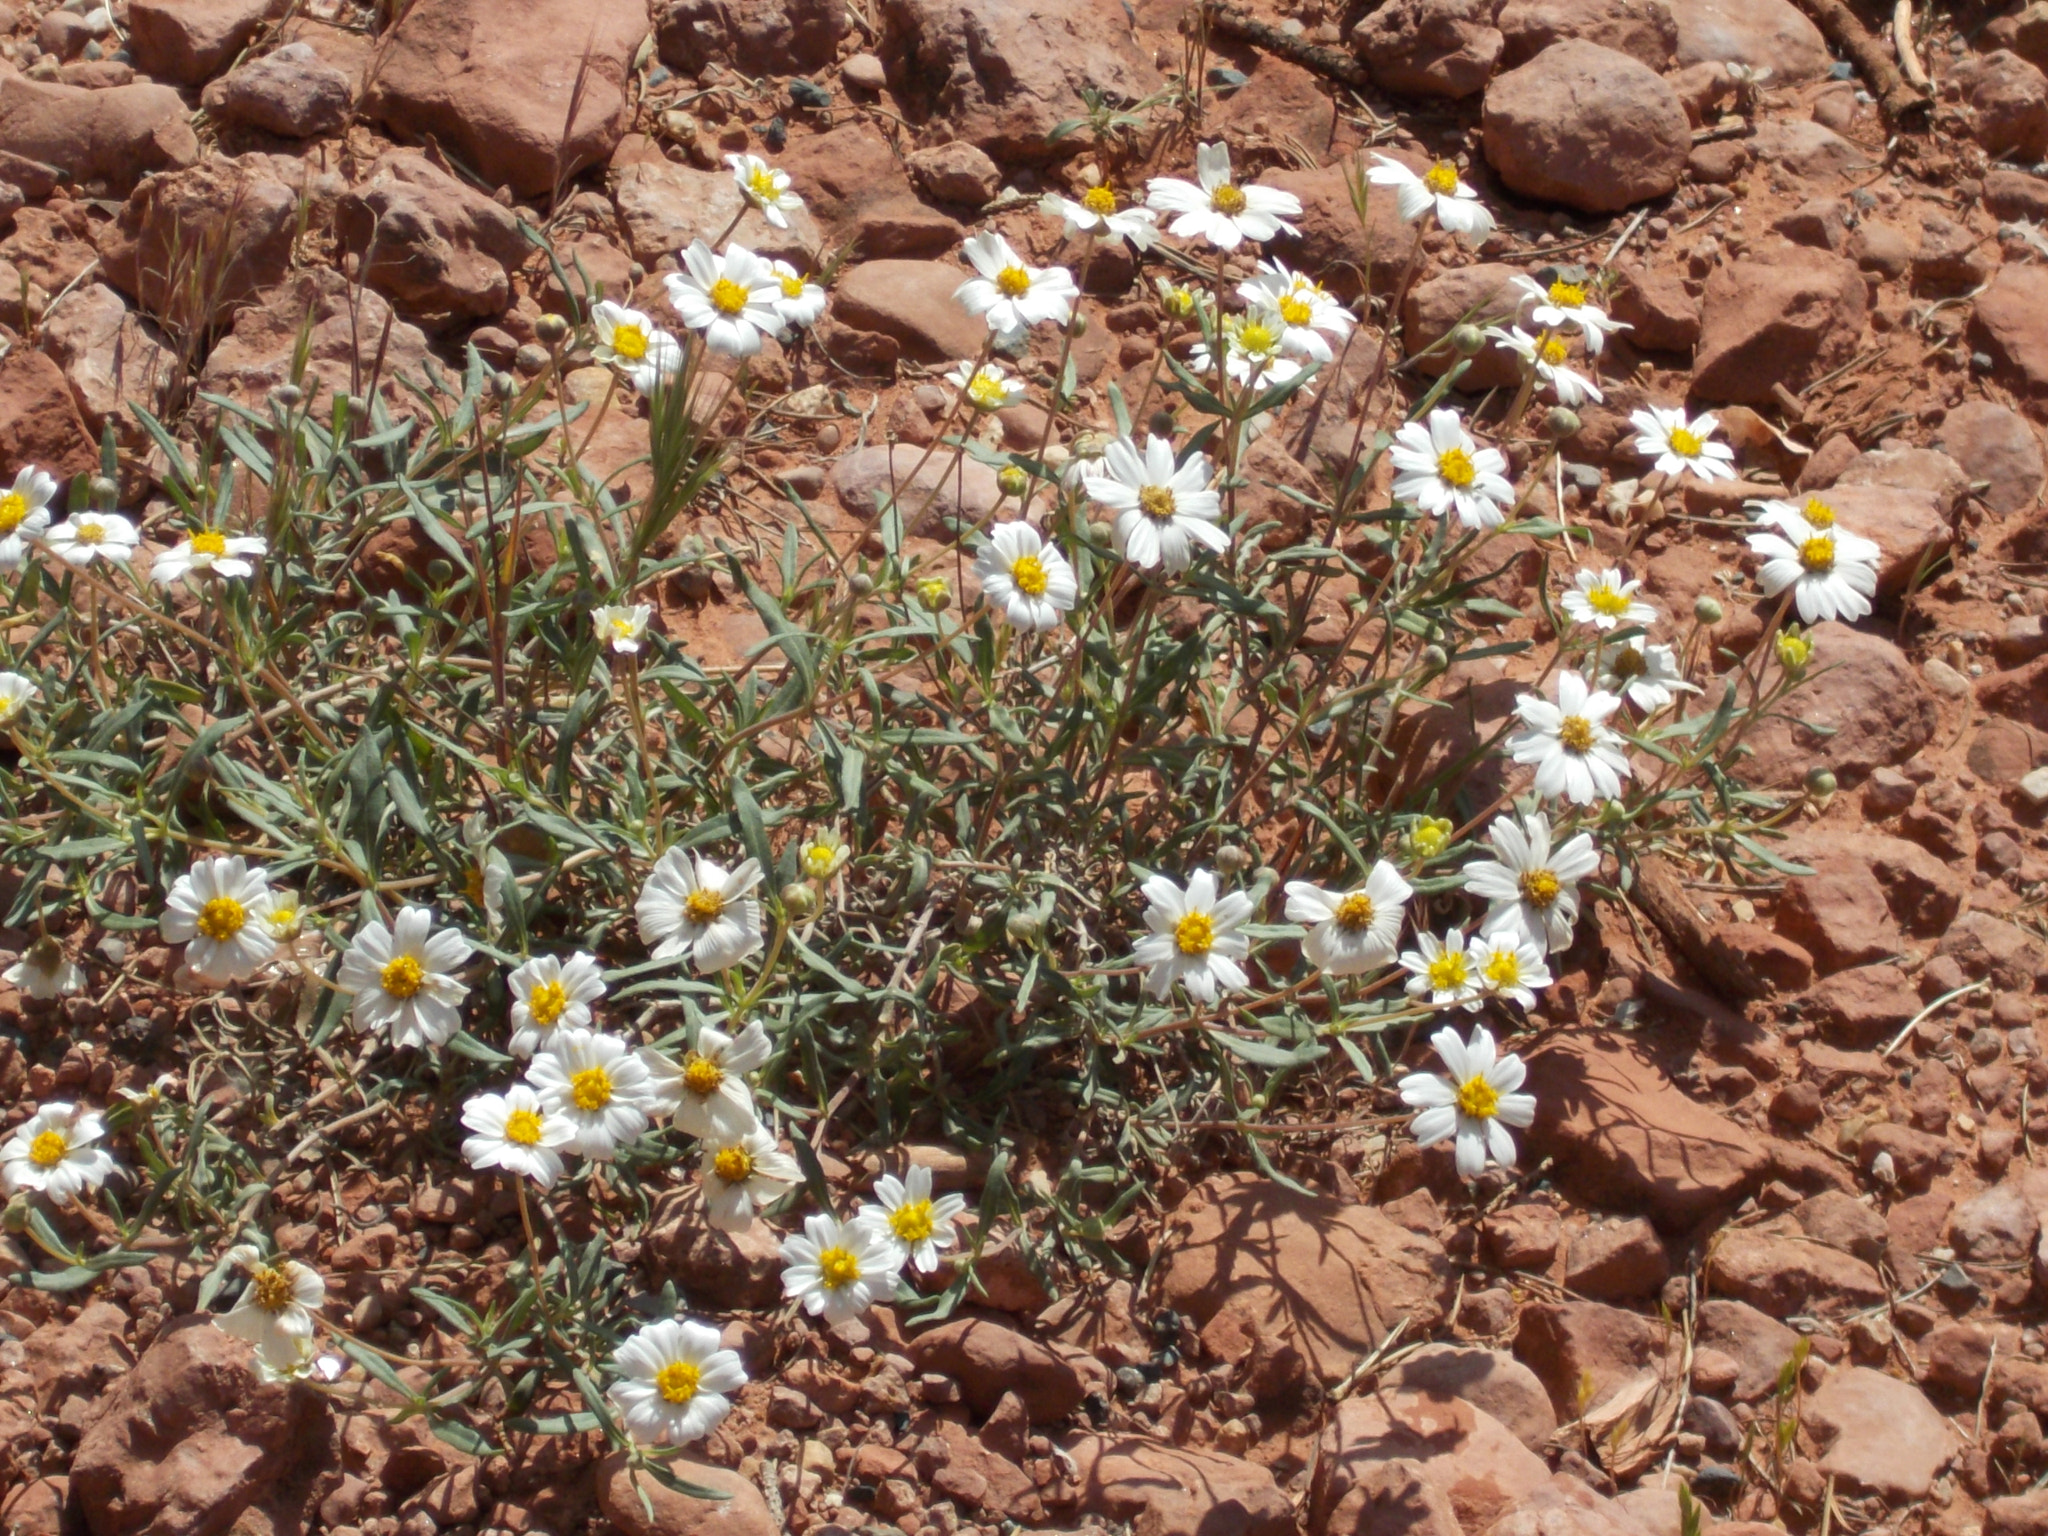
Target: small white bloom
[275,1312]
[1574,753]
[286,919]
[801,300]
[1163,511]
[16,694]
[905,1214]
[1193,938]
[838,1269]
[516,1131]
[824,855]
[1352,931]
[1255,348]
[634,344]
[1095,212]
[1440,190]
[1215,209]
[1511,966]
[1604,599]
[765,187]
[1442,469]
[208,552]
[1564,303]
[1476,1105]
[1832,572]
[24,514]
[1444,971]
[692,908]
[741,1171]
[598,1085]
[45,972]
[549,993]
[90,536]
[54,1151]
[1309,311]
[1009,295]
[1546,355]
[675,1383]
[986,387]
[220,909]
[1024,579]
[707,1091]
[403,979]
[622,626]
[1530,888]
[1678,444]
[730,298]
[1646,675]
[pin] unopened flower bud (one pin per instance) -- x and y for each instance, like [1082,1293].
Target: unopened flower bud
[550,330]
[1434,658]
[860,584]
[1467,340]
[105,492]
[14,1218]
[1795,651]
[440,572]
[1078,326]
[1707,609]
[1561,422]
[1613,815]
[1012,481]
[1819,783]
[287,397]
[935,594]
[1160,424]
[504,386]
[1099,533]
[799,900]
[1023,928]
[1232,860]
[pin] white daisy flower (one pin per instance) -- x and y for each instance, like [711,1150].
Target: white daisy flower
[1511,966]
[275,1312]
[1095,212]
[838,1269]
[1162,510]
[598,1085]
[741,1171]
[1255,347]
[801,301]
[675,1383]
[1310,312]
[1443,971]
[24,514]
[1354,931]
[1442,469]
[1438,189]
[730,298]
[1678,444]
[16,694]
[1800,522]
[1646,675]
[707,1091]
[631,342]
[1545,355]
[1010,296]
[1564,303]
[1476,1105]
[1832,572]
[516,1131]
[549,993]
[403,979]
[986,387]
[208,552]
[692,908]
[1194,938]
[765,187]
[622,626]
[1024,579]
[905,1214]
[1217,210]
[1604,600]
[54,1152]
[89,536]
[218,908]
[1530,888]
[1575,755]
[45,972]
[824,855]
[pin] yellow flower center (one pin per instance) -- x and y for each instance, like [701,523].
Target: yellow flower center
[1354,911]
[13,511]
[1818,513]
[209,543]
[547,1003]
[1575,733]
[1539,887]
[1567,295]
[1296,310]
[402,976]
[1441,178]
[728,297]
[1554,350]
[1195,934]
[1156,501]
[1013,282]
[701,1075]
[1256,337]
[271,1286]
[735,1165]
[522,1128]
[1100,200]
[222,918]
[1454,467]
[678,1381]
[591,1089]
[704,905]
[624,627]
[88,530]
[838,1268]
[1503,970]
[819,859]
[761,184]
[48,1149]
[1029,574]
[284,920]
[1448,971]
[792,286]
[912,1221]
[986,390]
[1227,200]
[1607,600]
[1817,554]
[1685,443]
[1478,1099]
[630,342]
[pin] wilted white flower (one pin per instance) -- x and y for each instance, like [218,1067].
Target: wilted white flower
[1476,1105]
[1162,510]
[743,1170]
[1831,572]
[1442,469]
[286,919]
[1530,888]
[765,187]
[275,1312]
[730,298]
[1678,444]
[675,1382]
[598,1085]
[89,536]
[219,909]
[838,1269]
[1352,931]
[16,694]
[1025,579]
[1603,599]
[905,1213]
[801,300]
[986,386]
[707,1092]
[1575,755]
[693,909]
[1095,212]
[1646,675]
[55,1152]
[208,552]
[1194,937]
[44,972]
[549,993]
[1440,190]
[1443,971]
[633,343]
[516,1131]
[24,514]
[1009,295]
[1546,355]
[622,626]
[824,855]
[1216,209]
[1510,966]
[403,978]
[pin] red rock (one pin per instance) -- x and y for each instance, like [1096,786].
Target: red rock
[1442,48]
[1957,1354]
[347,332]
[439,250]
[1662,315]
[2023,1514]
[1867,697]
[1642,29]
[292,92]
[1862,1006]
[1564,1506]
[1766,321]
[36,1508]
[1998,1226]
[2004,323]
[1786,1274]
[1333,243]
[939,492]
[854,185]
[1985,945]
[1626,1138]
[1881,1435]
[1521,1237]
[1617,1261]
[1842,1221]
[988,1360]
[978,1476]
[664,206]
[1916,1156]
[1586,126]
[114,136]
[742,1511]
[188,42]
[497,91]
[1566,1342]
[911,301]
[39,421]
[1381,1444]
[1491,1380]
[1168,1490]
[955,173]
[778,37]
[78,1356]
[2006,101]
[1484,290]
[1764,34]
[1760,1345]
[234,220]
[112,357]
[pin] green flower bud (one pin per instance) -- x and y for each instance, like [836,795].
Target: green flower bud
[799,900]
[1023,928]
[1707,609]
[1467,340]
[1561,422]
[860,584]
[1232,860]
[550,330]
[1819,783]
[1012,481]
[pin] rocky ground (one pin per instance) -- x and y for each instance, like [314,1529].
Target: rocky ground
[1778,1235]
